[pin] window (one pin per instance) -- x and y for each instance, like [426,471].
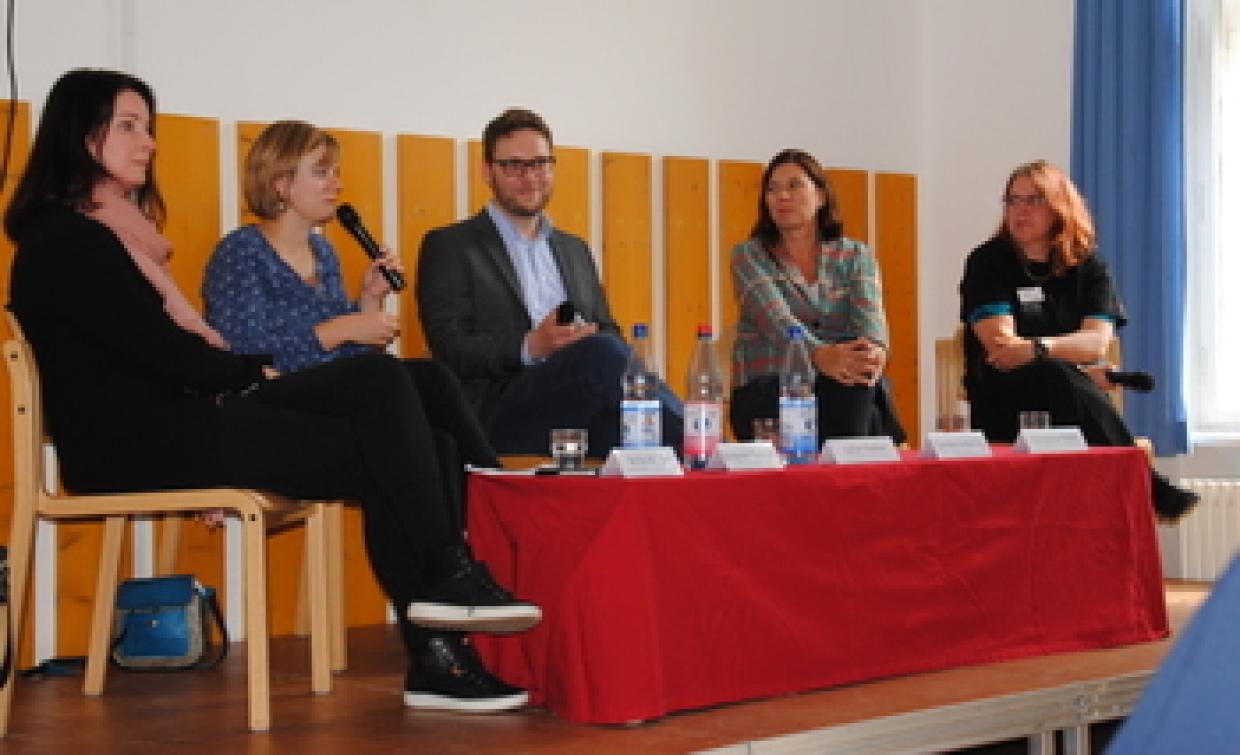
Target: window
[1212,160]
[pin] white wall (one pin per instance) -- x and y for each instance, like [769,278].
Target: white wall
[957,91]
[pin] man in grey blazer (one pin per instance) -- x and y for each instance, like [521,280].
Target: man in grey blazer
[489,289]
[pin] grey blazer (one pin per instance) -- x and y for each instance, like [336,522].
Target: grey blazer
[469,300]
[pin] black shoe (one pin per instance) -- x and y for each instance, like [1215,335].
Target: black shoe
[469,600]
[1170,501]
[448,675]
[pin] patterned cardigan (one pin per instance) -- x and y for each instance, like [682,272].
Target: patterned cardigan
[845,302]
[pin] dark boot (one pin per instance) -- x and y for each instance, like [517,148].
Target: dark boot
[448,675]
[463,595]
[1170,501]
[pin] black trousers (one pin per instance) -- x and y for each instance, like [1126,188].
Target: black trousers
[997,398]
[843,410]
[392,435]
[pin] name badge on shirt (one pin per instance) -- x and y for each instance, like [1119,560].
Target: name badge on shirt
[1030,295]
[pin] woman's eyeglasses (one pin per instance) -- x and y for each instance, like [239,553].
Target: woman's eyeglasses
[1028,200]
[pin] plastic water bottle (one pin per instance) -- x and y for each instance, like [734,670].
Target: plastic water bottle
[640,425]
[703,401]
[798,407]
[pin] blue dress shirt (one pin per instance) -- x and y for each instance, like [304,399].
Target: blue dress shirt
[542,286]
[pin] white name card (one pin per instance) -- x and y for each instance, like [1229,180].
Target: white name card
[1052,440]
[960,445]
[737,456]
[859,450]
[642,462]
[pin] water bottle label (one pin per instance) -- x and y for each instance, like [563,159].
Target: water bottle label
[639,423]
[703,428]
[798,425]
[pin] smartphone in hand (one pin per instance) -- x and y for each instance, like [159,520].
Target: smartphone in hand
[565,313]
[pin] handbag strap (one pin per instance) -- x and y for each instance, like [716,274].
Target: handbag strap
[217,616]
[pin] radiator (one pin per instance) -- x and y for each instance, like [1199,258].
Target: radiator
[1201,544]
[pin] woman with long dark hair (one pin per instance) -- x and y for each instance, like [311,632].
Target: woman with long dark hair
[798,269]
[142,394]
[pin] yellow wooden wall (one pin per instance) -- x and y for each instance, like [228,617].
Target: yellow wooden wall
[17,163]
[188,171]
[627,255]
[425,199]
[895,243]
[686,260]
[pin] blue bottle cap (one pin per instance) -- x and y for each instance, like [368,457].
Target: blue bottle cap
[639,330]
[795,332]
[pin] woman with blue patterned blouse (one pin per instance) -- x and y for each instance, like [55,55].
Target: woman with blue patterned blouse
[275,288]
[798,269]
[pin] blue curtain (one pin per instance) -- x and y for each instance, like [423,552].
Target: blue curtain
[1127,158]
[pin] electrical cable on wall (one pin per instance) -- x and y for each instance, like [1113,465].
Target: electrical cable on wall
[12,114]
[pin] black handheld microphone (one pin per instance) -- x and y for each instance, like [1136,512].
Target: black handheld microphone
[1138,381]
[352,223]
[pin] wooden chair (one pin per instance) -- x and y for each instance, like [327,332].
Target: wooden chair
[949,395]
[259,513]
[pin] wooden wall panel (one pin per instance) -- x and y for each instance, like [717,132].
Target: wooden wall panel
[627,255]
[188,172]
[479,192]
[852,189]
[425,199]
[686,254]
[895,243]
[740,187]
[247,132]
[17,164]
[361,176]
[569,206]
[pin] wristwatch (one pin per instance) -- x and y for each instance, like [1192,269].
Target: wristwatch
[1040,352]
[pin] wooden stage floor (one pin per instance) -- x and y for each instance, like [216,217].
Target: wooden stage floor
[204,711]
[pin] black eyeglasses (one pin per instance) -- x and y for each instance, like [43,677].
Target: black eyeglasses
[1028,200]
[516,166]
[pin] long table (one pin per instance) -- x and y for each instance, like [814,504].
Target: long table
[675,593]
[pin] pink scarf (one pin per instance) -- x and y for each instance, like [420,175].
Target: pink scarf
[150,251]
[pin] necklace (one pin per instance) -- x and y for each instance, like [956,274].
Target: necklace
[1026,264]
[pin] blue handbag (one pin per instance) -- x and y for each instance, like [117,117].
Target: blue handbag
[164,624]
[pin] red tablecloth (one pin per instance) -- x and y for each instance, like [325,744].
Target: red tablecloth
[666,594]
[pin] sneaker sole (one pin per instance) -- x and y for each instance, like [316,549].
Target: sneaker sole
[493,620]
[431,701]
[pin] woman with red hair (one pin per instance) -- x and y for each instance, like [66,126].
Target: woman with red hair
[1040,310]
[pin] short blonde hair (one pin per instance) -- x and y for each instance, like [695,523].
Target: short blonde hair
[275,154]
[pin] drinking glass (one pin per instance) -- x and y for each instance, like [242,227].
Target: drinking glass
[766,428]
[1035,420]
[568,447]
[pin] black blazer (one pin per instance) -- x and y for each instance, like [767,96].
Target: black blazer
[469,300]
[127,393]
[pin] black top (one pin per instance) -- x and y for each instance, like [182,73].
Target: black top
[127,393]
[471,306]
[998,282]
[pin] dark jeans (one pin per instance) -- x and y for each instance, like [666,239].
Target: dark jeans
[843,410]
[998,398]
[577,386]
[388,434]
